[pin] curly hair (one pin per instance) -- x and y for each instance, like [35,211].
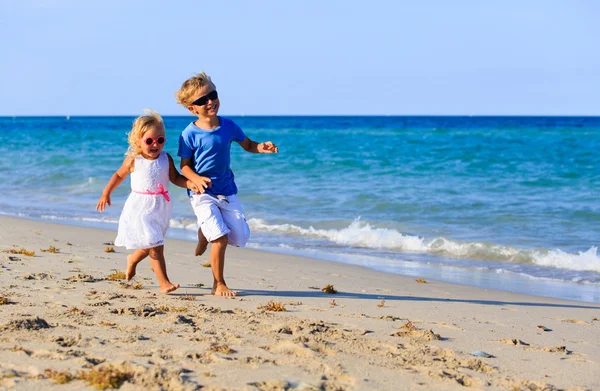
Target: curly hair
[140,126]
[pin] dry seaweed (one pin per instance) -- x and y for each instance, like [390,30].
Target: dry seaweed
[329,289]
[50,249]
[116,276]
[58,377]
[22,251]
[106,377]
[165,308]
[136,286]
[273,306]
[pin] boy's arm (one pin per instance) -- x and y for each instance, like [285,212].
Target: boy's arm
[201,182]
[114,182]
[254,147]
[179,180]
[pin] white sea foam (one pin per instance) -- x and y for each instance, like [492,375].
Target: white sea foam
[362,234]
[185,224]
[584,260]
[357,234]
[88,219]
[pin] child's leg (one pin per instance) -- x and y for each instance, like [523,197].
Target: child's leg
[214,230]
[208,216]
[202,243]
[234,218]
[217,263]
[157,260]
[132,260]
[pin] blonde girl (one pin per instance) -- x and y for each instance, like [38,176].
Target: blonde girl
[147,211]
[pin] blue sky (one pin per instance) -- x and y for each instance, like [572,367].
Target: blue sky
[116,57]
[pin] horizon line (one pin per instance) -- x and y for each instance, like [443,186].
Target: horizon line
[316,115]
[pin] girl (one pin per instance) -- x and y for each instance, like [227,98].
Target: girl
[147,211]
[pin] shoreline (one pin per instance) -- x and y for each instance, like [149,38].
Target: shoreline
[505,281]
[380,331]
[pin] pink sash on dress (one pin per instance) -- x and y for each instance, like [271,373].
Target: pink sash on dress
[161,190]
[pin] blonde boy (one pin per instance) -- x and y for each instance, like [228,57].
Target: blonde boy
[204,148]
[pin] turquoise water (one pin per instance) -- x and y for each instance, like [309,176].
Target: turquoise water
[508,203]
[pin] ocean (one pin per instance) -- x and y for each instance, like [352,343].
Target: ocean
[506,203]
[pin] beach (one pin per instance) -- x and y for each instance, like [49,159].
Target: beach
[68,322]
[476,201]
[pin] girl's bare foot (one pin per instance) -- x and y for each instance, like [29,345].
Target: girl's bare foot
[168,287]
[202,244]
[131,266]
[221,289]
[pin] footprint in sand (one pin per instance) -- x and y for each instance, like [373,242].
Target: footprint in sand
[26,324]
[575,321]
[291,348]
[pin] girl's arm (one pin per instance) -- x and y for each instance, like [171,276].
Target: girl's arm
[254,147]
[201,182]
[114,182]
[179,180]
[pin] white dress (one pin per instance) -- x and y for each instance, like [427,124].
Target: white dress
[147,211]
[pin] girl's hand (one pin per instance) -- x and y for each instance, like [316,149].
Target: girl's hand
[202,183]
[267,147]
[101,205]
[192,186]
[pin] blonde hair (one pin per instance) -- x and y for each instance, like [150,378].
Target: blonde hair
[140,126]
[191,86]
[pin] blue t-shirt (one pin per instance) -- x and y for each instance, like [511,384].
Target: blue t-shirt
[210,153]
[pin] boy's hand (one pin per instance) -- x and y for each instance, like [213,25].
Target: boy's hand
[267,147]
[202,183]
[101,205]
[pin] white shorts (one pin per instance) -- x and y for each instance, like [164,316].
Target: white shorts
[219,217]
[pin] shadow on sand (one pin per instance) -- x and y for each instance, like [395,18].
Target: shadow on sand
[378,297]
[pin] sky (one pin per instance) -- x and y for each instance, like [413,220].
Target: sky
[302,57]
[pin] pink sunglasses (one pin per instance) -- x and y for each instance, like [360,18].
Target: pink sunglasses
[151,140]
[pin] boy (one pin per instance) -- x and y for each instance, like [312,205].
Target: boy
[204,148]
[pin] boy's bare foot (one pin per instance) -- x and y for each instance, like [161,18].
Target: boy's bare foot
[168,287]
[202,244]
[221,289]
[131,266]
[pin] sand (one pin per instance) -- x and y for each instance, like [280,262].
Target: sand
[66,324]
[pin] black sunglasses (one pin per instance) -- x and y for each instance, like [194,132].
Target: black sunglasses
[204,99]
